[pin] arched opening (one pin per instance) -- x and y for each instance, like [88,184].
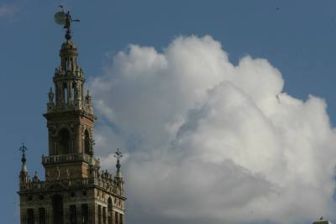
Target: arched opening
[109,211]
[73,214]
[87,143]
[104,215]
[109,204]
[99,214]
[30,216]
[57,205]
[85,214]
[116,218]
[74,91]
[42,215]
[65,92]
[64,141]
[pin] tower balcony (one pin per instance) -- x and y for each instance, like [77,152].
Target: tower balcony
[69,158]
[108,184]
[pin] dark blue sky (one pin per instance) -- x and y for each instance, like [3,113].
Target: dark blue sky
[296,36]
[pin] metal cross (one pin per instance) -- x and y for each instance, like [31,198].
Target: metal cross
[118,154]
[23,148]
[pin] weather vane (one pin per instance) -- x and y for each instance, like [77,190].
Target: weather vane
[64,18]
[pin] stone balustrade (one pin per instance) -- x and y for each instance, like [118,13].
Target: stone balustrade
[54,159]
[102,180]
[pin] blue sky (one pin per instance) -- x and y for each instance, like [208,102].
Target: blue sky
[297,37]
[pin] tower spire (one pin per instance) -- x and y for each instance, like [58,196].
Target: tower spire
[23,149]
[71,170]
[24,170]
[118,155]
[69,78]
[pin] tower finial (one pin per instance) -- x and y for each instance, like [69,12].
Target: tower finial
[64,18]
[23,149]
[118,155]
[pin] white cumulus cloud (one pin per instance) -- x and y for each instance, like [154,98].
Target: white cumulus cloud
[208,141]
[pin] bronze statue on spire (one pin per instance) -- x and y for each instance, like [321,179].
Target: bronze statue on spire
[64,18]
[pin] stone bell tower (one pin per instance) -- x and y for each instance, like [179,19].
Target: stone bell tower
[75,189]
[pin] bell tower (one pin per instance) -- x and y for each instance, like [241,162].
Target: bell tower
[69,116]
[75,190]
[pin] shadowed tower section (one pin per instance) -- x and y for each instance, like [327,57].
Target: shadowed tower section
[75,189]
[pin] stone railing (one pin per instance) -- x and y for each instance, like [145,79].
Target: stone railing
[86,108]
[109,185]
[48,185]
[52,107]
[54,159]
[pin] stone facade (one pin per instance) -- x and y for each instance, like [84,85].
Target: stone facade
[75,190]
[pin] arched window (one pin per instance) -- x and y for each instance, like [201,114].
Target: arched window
[109,204]
[42,216]
[57,205]
[64,141]
[85,214]
[30,216]
[73,214]
[116,218]
[104,215]
[74,91]
[121,219]
[109,211]
[87,143]
[65,92]
[99,214]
